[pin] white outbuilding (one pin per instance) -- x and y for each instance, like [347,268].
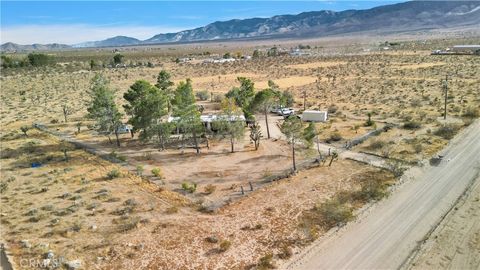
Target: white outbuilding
[314,116]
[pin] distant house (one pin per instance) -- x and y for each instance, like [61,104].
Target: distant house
[299,52]
[207,120]
[474,49]
[224,60]
[184,60]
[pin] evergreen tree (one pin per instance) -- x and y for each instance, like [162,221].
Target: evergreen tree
[103,109]
[187,112]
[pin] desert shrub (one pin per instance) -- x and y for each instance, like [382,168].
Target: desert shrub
[376,144]
[396,167]
[447,132]
[335,137]
[139,170]
[157,172]
[209,189]
[211,239]
[30,146]
[218,98]
[123,210]
[190,188]
[126,224]
[225,245]
[147,156]
[113,174]
[285,252]
[418,148]
[114,155]
[332,213]
[372,190]
[3,187]
[471,112]
[265,262]
[411,125]
[171,210]
[332,109]
[202,95]
[130,202]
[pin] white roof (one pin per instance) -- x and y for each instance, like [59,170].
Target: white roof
[212,117]
[314,111]
[467,46]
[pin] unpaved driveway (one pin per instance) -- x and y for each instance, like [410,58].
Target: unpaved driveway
[385,237]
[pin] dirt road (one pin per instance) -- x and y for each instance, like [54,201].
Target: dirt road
[455,244]
[385,237]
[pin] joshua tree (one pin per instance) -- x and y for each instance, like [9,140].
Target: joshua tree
[255,134]
[292,128]
[78,125]
[65,147]
[333,157]
[25,129]
[66,112]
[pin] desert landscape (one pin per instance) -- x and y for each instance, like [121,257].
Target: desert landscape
[179,156]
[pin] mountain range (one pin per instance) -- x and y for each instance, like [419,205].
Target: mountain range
[404,17]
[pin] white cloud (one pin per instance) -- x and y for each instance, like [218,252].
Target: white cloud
[77,33]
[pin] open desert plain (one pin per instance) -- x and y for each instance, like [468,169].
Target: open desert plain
[200,155]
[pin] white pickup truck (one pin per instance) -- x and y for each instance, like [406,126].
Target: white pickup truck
[283,111]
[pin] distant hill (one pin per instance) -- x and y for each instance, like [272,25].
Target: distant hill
[111,42]
[408,16]
[403,17]
[10,47]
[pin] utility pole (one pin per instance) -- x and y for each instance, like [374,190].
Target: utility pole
[304,100]
[445,89]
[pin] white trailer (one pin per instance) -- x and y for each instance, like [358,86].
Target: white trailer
[314,116]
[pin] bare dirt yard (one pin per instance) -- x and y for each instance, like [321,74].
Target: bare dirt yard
[79,210]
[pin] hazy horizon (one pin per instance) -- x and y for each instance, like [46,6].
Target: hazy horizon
[77,22]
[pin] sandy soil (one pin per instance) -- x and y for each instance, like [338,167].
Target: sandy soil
[385,236]
[164,229]
[455,244]
[316,65]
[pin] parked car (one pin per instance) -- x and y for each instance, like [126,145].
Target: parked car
[282,111]
[124,129]
[286,111]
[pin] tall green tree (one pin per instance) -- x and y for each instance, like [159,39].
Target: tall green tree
[286,99]
[229,124]
[309,133]
[165,84]
[292,128]
[39,59]
[135,96]
[118,58]
[102,108]
[187,112]
[263,102]
[148,109]
[243,95]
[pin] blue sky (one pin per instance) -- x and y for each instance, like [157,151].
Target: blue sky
[73,22]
